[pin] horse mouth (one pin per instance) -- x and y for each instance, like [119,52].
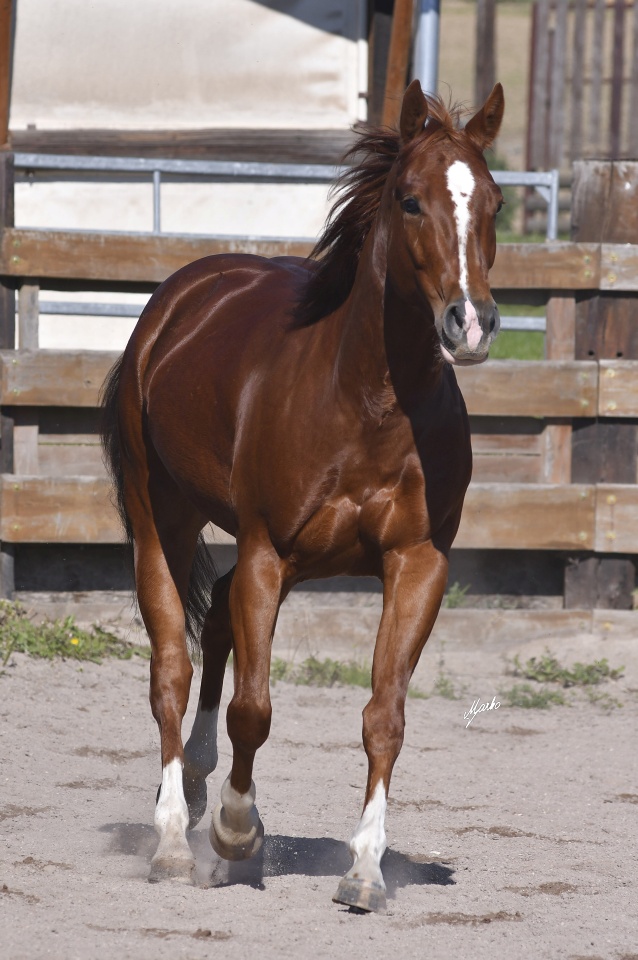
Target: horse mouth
[464,358]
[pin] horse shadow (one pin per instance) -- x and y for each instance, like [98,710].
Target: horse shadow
[280,856]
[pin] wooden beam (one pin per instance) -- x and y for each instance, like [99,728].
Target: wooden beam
[53,378]
[618,388]
[145,258]
[521,516]
[132,258]
[267,146]
[550,388]
[398,60]
[616,518]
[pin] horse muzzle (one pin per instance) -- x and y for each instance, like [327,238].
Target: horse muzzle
[467,330]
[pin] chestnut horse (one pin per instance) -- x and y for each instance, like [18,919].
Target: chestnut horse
[309,408]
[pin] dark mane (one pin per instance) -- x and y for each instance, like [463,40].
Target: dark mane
[359,190]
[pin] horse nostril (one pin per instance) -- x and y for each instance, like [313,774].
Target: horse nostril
[492,322]
[459,317]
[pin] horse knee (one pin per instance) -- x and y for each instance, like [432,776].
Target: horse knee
[249,723]
[383,727]
[170,684]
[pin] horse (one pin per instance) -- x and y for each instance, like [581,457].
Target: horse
[310,409]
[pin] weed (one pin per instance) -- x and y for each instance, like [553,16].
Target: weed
[443,687]
[58,638]
[524,695]
[326,673]
[455,596]
[547,669]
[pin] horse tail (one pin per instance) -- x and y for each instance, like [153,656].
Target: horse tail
[203,571]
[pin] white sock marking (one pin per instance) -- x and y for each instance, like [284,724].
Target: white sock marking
[171,812]
[369,841]
[200,752]
[461,183]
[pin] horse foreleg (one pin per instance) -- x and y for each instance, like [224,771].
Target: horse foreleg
[236,831]
[200,752]
[414,583]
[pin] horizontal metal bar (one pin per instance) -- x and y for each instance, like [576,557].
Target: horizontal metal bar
[76,309]
[517,178]
[524,323]
[216,169]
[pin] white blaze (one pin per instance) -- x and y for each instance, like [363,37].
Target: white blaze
[460,183]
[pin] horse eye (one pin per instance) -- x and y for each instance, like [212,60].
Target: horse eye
[410,205]
[500,206]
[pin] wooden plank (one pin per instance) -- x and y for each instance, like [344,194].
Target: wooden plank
[617,60]
[508,467]
[618,388]
[616,518]
[53,377]
[514,516]
[619,262]
[577,84]
[559,345]
[144,258]
[557,86]
[57,510]
[548,266]
[496,515]
[537,136]
[380,31]
[28,316]
[398,59]
[596,95]
[557,452]
[25,441]
[64,510]
[130,258]
[550,388]
[267,146]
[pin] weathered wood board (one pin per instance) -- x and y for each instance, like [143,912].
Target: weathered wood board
[146,258]
[59,378]
[549,388]
[528,517]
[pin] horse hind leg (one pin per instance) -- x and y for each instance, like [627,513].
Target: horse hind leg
[164,552]
[200,752]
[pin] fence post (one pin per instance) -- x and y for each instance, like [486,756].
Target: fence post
[604,450]
[7,342]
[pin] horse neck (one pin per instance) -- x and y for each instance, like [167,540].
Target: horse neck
[387,349]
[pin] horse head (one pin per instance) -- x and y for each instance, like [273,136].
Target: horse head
[441,209]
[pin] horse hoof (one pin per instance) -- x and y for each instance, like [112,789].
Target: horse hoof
[172,868]
[231,845]
[362,894]
[196,796]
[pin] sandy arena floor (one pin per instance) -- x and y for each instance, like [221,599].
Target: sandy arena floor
[513,838]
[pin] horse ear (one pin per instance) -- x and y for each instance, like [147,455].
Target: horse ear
[483,128]
[414,112]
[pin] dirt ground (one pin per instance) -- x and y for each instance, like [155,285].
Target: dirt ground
[514,837]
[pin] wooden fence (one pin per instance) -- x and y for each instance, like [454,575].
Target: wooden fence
[534,488]
[583,92]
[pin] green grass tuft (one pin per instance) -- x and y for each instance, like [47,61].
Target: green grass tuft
[524,695]
[58,638]
[547,669]
[326,673]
